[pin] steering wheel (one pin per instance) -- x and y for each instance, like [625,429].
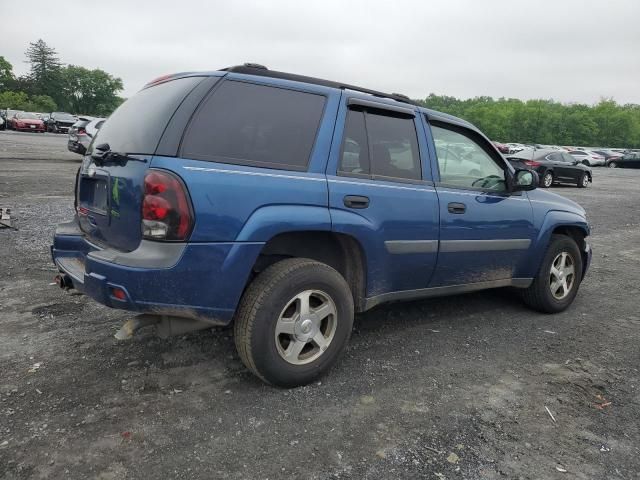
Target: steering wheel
[488,181]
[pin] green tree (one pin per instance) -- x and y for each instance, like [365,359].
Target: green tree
[13,100]
[45,69]
[605,124]
[7,79]
[92,92]
[41,103]
[22,101]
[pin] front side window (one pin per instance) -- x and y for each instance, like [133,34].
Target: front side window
[464,163]
[256,125]
[380,146]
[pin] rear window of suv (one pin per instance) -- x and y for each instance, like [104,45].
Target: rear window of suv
[137,124]
[255,125]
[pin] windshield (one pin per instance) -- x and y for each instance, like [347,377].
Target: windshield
[27,115]
[63,116]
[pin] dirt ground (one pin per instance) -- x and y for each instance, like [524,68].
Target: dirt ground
[448,388]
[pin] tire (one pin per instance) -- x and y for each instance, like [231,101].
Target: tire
[277,294]
[547,180]
[612,165]
[583,182]
[539,295]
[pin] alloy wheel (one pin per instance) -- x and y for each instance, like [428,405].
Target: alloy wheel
[306,326]
[562,275]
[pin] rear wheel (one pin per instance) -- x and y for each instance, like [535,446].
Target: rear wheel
[583,182]
[547,180]
[559,277]
[293,322]
[612,165]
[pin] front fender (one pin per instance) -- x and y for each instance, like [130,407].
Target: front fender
[269,221]
[553,219]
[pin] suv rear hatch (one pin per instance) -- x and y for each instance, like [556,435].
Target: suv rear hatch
[110,184]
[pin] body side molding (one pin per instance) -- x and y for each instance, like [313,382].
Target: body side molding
[444,291]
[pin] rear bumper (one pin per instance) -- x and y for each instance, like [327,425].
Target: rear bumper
[201,281]
[29,129]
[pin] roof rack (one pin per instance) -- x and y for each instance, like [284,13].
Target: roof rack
[262,71]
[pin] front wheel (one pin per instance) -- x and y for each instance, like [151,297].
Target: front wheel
[556,284]
[294,321]
[583,182]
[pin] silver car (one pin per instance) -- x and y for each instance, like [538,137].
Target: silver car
[82,132]
[588,158]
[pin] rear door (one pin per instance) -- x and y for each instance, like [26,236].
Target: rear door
[381,193]
[569,169]
[110,189]
[485,231]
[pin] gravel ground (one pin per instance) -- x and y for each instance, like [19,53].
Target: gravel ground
[446,388]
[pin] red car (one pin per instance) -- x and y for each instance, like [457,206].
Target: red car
[27,122]
[501,147]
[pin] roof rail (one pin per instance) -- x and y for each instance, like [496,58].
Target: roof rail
[262,71]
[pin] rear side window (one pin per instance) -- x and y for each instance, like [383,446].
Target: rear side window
[137,124]
[256,125]
[380,145]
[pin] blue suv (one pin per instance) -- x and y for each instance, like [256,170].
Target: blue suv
[286,204]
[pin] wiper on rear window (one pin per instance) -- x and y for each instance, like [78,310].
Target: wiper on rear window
[106,155]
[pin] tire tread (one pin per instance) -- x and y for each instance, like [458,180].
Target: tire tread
[253,300]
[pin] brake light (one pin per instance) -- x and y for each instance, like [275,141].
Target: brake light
[166,209]
[531,163]
[81,131]
[158,79]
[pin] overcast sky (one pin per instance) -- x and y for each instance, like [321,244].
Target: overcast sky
[568,50]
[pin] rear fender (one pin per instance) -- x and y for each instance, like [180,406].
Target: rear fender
[269,221]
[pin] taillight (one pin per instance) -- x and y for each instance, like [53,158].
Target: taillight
[81,131]
[166,209]
[532,163]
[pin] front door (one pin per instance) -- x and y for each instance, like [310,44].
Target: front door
[485,231]
[380,193]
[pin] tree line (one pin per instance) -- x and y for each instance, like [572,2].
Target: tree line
[605,124]
[50,85]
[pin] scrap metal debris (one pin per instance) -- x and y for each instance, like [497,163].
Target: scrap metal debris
[5,219]
[550,414]
[601,403]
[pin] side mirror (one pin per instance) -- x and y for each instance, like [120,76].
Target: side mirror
[525,180]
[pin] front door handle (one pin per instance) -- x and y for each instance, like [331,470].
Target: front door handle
[457,208]
[356,201]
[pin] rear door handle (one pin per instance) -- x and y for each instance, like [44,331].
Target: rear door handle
[356,201]
[457,208]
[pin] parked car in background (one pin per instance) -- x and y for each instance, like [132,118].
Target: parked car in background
[502,148]
[588,158]
[233,201]
[608,155]
[27,122]
[515,147]
[553,166]
[8,117]
[60,122]
[2,123]
[82,132]
[628,160]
